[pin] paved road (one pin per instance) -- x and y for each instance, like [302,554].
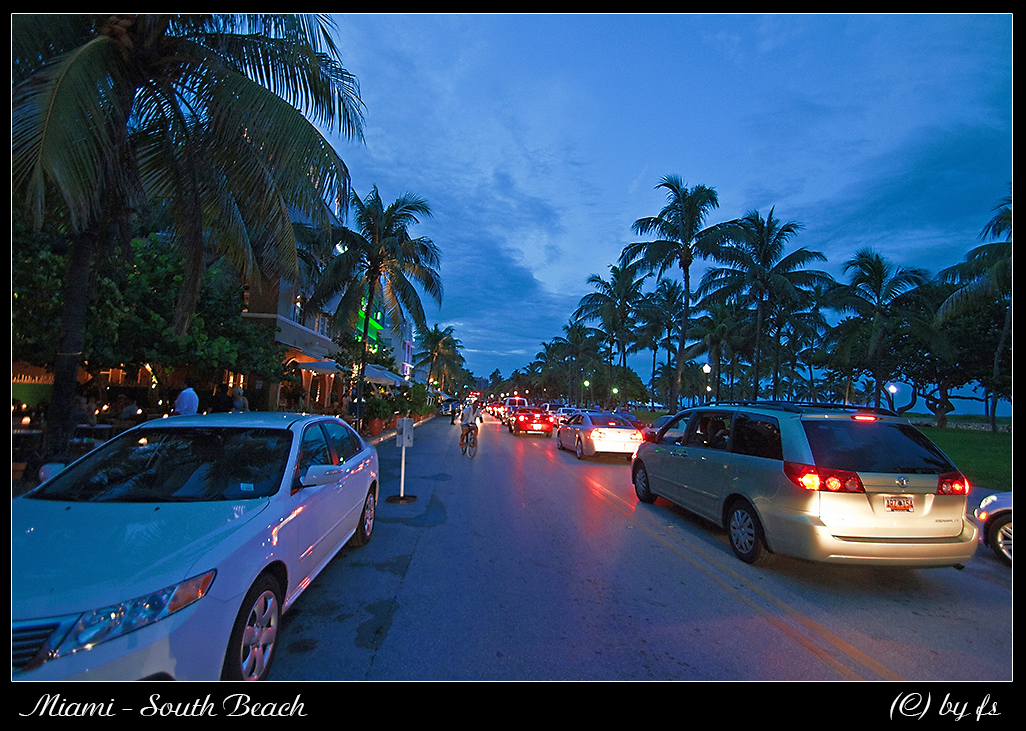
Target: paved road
[526,564]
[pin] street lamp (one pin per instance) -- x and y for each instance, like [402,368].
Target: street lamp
[707,369]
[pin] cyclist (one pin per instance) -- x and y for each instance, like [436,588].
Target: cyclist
[468,419]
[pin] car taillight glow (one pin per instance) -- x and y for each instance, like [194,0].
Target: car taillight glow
[864,417]
[952,483]
[810,477]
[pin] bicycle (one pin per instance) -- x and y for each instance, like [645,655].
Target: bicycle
[469,446]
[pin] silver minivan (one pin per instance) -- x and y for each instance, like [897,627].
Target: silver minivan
[838,484]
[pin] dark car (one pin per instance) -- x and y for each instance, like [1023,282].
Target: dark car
[530,420]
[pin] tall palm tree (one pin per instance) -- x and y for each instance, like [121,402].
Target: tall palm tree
[614,303]
[986,276]
[758,271]
[579,351]
[201,113]
[440,353]
[681,237]
[379,258]
[877,293]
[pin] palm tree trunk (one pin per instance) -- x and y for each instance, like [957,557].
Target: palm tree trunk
[997,366]
[675,383]
[363,352]
[74,315]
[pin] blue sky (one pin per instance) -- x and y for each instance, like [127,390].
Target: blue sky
[539,139]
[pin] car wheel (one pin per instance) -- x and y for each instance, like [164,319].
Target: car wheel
[255,634]
[641,485]
[580,450]
[366,527]
[746,535]
[999,536]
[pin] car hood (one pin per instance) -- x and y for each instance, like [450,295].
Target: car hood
[73,557]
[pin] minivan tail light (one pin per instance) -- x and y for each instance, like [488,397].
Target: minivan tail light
[810,477]
[952,483]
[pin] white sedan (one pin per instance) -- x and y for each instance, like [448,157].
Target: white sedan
[591,433]
[172,551]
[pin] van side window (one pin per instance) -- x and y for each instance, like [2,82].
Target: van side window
[710,430]
[758,436]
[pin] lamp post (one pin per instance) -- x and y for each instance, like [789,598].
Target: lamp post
[707,369]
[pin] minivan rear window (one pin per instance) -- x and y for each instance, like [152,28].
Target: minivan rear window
[875,446]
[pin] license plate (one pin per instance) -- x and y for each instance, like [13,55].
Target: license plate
[899,503]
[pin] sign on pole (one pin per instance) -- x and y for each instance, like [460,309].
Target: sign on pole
[404,439]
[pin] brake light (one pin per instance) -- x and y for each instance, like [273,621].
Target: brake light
[952,483]
[864,417]
[810,477]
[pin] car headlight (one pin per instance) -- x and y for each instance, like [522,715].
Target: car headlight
[114,621]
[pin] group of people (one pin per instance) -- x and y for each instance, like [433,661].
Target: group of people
[223,401]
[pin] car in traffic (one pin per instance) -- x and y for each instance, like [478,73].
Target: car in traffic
[509,405]
[531,420]
[652,429]
[172,551]
[591,433]
[994,519]
[634,420]
[830,483]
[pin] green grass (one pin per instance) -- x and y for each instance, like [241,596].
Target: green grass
[983,457]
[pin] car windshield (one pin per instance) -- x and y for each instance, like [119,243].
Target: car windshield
[874,446]
[176,465]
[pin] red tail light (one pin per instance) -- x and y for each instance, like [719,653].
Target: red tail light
[810,477]
[952,483]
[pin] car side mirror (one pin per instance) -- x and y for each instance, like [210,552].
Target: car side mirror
[320,474]
[650,436]
[49,470]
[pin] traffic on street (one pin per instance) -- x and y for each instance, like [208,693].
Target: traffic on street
[527,563]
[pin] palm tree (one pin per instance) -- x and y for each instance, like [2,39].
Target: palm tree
[201,113]
[615,304]
[986,275]
[579,352]
[757,271]
[681,237]
[877,293]
[380,259]
[440,353]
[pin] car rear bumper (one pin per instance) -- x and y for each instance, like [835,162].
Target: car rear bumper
[817,543]
[613,447]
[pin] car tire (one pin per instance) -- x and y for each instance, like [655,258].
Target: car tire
[641,485]
[580,450]
[999,538]
[254,636]
[745,533]
[365,528]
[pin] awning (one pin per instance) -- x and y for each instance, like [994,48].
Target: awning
[320,366]
[373,373]
[376,374]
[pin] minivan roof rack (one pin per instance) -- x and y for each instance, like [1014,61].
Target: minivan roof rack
[799,406]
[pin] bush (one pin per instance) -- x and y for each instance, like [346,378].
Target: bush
[378,408]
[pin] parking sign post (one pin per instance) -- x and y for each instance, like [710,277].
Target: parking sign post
[404,439]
